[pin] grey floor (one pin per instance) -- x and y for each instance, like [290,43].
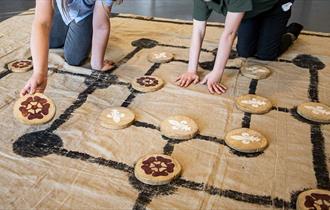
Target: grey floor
[313,14]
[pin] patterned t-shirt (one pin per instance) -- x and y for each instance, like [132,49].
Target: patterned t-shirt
[79,9]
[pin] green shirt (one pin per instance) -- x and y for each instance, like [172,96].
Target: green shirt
[203,10]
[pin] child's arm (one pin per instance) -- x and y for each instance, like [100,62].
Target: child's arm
[39,47]
[227,38]
[190,76]
[101,31]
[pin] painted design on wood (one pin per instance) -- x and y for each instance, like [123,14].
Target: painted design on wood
[161,55]
[34,107]
[317,201]
[182,125]
[21,64]
[147,81]
[255,70]
[158,166]
[246,138]
[319,110]
[116,116]
[254,102]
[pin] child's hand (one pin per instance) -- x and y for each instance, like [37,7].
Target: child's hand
[37,83]
[212,80]
[187,78]
[107,65]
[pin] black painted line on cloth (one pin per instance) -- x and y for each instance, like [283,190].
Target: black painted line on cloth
[145,125]
[179,60]
[246,120]
[283,60]
[319,158]
[5,73]
[152,69]
[55,70]
[317,138]
[98,160]
[81,99]
[253,86]
[210,139]
[122,83]
[235,195]
[183,47]
[142,201]
[128,57]
[130,98]
[313,85]
[168,148]
[281,109]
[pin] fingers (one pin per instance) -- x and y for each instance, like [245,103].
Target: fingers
[33,87]
[25,90]
[219,89]
[109,62]
[209,86]
[187,83]
[178,78]
[196,80]
[203,82]
[224,87]
[183,81]
[106,67]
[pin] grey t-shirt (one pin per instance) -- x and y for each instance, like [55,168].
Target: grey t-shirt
[202,9]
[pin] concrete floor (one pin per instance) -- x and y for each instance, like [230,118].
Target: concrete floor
[313,14]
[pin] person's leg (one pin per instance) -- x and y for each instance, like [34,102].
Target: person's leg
[78,41]
[292,33]
[272,29]
[247,37]
[58,31]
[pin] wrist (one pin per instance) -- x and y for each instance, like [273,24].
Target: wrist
[217,71]
[97,65]
[42,74]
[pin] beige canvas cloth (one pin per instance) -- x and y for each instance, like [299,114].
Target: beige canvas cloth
[74,163]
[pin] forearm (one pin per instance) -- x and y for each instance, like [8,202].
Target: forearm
[99,45]
[227,38]
[40,47]
[196,44]
[224,49]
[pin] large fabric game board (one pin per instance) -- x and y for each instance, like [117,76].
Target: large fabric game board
[74,163]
